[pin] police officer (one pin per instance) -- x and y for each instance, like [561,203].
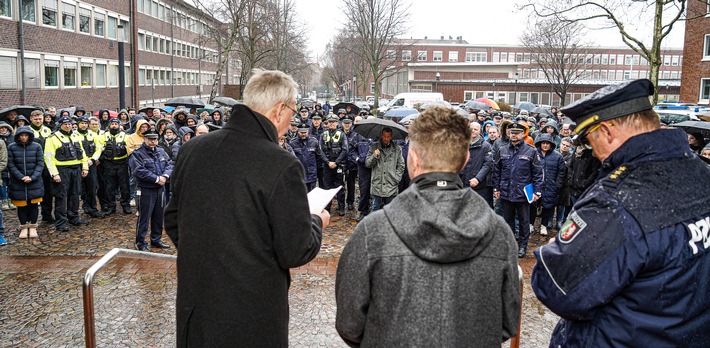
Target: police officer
[334,150]
[41,133]
[115,162]
[316,130]
[151,168]
[350,164]
[631,265]
[358,148]
[307,150]
[67,163]
[89,185]
[292,132]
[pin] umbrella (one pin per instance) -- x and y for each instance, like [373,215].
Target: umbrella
[409,118]
[188,102]
[150,108]
[371,128]
[476,105]
[541,111]
[465,113]
[70,110]
[111,114]
[492,104]
[343,105]
[401,112]
[24,110]
[207,108]
[226,101]
[695,126]
[433,103]
[524,106]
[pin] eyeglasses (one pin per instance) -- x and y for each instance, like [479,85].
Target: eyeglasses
[290,108]
[583,137]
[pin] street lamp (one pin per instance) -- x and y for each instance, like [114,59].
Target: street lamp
[515,95]
[494,91]
[121,69]
[438,78]
[354,88]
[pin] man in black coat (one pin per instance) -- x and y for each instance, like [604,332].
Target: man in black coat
[233,267]
[480,163]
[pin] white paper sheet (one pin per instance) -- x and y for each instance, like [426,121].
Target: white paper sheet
[318,198]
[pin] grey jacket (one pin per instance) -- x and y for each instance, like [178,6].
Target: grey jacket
[387,169]
[434,268]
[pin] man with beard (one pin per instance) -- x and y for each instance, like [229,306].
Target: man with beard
[89,184]
[115,162]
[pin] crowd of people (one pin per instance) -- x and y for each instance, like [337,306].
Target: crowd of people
[57,161]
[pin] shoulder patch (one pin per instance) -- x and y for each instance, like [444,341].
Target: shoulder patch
[572,227]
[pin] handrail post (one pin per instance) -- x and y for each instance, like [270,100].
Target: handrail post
[515,341]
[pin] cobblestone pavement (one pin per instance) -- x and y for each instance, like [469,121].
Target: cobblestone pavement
[41,296]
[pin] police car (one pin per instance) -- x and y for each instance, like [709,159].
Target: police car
[671,112]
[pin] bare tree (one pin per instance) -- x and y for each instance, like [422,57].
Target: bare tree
[618,14]
[556,48]
[375,26]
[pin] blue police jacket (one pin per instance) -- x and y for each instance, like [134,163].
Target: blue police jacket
[631,265]
[516,166]
[147,165]
[359,149]
[307,151]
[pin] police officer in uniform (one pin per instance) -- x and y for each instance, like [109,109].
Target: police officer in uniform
[292,132]
[316,130]
[631,265]
[115,162]
[151,168]
[43,132]
[89,185]
[350,163]
[67,163]
[334,150]
[307,150]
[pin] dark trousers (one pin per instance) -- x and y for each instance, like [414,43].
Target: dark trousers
[350,178]
[67,194]
[89,187]
[331,180]
[522,211]
[487,193]
[547,217]
[101,187]
[28,214]
[151,204]
[116,175]
[47,199]
[404,183]
[319,174]
[310,186]
[363,181]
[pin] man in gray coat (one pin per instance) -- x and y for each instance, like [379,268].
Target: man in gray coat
[387,163]
[436,267]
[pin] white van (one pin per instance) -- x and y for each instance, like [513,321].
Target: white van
[408,100]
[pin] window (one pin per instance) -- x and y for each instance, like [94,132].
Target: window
[111,30]
[504,57]
[100,75]
[99,24]
[69,74]
[674,74]
[126,31]
[167,47]
[148,43]
[518,57]
[141,77]
[391,54]
[141,41]
[161,12]
[453,56]
[620,59]
[68,15]
[32,75]
[28,10]
[597,59]
[674,60]
[612,59]
[154,12]
[113,75]
[8,73]
[5,9]
[84,20]
[146,7]
[476,56]
[49,12]
[86,74]
[155,44]
[162,77]
[140,6]
[705,89]
[406,56]
[605,59]
[496,57]
[51,73]
[162,46]
[438,56]
[667,60]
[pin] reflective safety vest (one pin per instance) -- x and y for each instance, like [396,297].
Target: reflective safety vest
[64,150]
[42,134]
[115,146]
[91,143]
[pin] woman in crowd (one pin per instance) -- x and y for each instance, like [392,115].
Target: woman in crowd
[25,161]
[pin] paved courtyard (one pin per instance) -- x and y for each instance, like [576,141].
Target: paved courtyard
[41,295]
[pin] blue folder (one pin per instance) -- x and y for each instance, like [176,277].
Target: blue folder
[529,192]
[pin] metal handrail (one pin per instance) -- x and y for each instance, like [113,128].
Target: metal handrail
[88,290]
[515,341]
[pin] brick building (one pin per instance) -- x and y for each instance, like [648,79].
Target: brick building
[695,87]
[71,56]
[462,71]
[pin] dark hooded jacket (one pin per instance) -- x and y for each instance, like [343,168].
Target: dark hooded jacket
[128,124]
[434,268]
[25,159]
[166,144]
[554,172]
[179,123]
[104,123]
[80,109]
[582,172]
[219,122]
[555,134]
[181,134]
[479,165]
[20,118]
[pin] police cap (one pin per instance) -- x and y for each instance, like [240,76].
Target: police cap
[82,119]
[610,102]
[295,121]
[151,134]
[64,119]
[302,128]
[516,128]
[114,119]
[316,116]
[333,118]
[303,108]
[347,120]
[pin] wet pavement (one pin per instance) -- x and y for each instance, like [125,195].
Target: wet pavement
[41,295]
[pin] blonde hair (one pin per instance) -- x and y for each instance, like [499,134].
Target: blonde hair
[440,138]
[267,88]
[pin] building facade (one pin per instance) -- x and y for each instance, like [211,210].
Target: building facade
[71,52]
[462,71]
[695,86]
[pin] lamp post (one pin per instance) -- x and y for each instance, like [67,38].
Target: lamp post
[354,88]
[438,78]
[494,91]
[121,70]
[515,94]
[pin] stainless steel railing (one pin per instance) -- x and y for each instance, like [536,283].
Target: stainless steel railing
[88,290]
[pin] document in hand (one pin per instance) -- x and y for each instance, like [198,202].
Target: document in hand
[318,198]
[529,192]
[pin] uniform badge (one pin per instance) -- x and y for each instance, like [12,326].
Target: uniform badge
[572,227]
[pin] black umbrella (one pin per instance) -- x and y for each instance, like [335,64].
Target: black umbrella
[226,101]
[24,110]
[150,108]
[343,105]
[213,127]
[188,102]
[541,111]
[695,127]
[372,128]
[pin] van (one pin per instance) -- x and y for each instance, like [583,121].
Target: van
[409,100]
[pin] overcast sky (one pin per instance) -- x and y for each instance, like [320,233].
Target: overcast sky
[479,22]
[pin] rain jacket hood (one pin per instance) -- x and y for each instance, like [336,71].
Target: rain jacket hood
[5,125]
[24,130]
[21,118]
[184,130]
[545,137]
[139,123]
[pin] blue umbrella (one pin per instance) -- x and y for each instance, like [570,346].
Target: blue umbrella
[524,106]
[401,112]
[476,105]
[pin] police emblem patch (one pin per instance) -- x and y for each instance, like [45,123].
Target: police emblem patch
[572,227]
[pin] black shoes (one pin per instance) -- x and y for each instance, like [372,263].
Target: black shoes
[79,222]
[141,247]
[108,212]
[62,228]
[360,217]
[127,210]
[350,207]
[96,214]
[160,245]
[48,219]
[522,252]
[341,212]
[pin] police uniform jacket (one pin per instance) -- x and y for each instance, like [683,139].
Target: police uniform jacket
[631,265]
[334,147]
[359,147]
[41,134]
[307,151]
[149,165]
[64,150]
[351,160]
[114,146]
[92,144]
[516,166]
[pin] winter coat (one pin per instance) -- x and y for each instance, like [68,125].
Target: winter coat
[233,268]
[387,169]
[582,172]
[359,148]
[564,195]
[181,134]
[484,134]
[351,162]
[434,268]
[166,144]
[479,165]
[148,165]
[135,140]
[307,151]
[516,166]
[554,172]
[555,134]
[25,159]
